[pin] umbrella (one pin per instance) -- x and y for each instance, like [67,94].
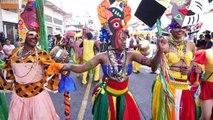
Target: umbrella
[72,28]
[70,34]
[78,35]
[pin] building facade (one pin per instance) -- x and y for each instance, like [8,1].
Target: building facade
[9,10]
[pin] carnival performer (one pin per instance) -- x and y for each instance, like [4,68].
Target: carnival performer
[111,97]
[205,57]
[178,56]
[89,45]
[29,72]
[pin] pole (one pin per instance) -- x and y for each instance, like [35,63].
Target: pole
[1,20]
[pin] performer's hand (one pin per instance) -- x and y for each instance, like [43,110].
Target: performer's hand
[198,69]
[185,70]
[162,44]
[65,59]
[65,68]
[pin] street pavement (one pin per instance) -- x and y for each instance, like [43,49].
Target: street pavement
[81,106]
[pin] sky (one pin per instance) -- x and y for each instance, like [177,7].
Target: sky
[79,7]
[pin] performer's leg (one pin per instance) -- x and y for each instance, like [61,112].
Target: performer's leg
[78,61]
[136,66]
[84,78]
[206,109]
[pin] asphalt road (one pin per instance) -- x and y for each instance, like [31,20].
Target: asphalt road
[81,106]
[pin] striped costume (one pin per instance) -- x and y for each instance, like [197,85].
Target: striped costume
[112,100]
[181,106]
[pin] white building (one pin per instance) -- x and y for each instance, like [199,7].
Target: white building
[9,18]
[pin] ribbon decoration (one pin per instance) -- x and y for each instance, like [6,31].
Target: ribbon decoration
[65,85]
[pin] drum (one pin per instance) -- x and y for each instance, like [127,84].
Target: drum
[145,47]
[58,54]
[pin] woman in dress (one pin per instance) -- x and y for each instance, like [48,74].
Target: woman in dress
[29,72]
[205,57]
[178,55]
[111,97]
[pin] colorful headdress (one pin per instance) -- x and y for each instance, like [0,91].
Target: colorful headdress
[188,12]
[31,18]
[113,16]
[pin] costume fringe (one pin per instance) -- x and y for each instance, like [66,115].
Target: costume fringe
[163,103]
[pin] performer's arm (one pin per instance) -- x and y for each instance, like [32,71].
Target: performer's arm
[162,45]
[79,68]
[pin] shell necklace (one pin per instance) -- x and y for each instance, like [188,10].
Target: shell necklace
[117,61]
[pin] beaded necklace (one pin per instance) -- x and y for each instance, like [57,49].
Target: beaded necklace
[116,60]
[22,56]
[176,44]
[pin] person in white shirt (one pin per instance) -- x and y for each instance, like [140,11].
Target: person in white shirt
[8,48]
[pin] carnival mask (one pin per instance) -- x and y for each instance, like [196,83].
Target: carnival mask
[114,17]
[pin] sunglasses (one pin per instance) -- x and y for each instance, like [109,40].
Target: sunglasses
[32,35]
[178,28]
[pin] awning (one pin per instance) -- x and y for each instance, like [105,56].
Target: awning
[72,28]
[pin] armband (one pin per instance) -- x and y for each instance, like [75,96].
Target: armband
[70,65]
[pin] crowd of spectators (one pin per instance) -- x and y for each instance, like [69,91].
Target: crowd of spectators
[205,40]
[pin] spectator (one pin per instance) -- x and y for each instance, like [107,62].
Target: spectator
[17,43]
[88,53]
[135,44]
[50,42]
[201,43]
[8,48]
[77,55]
[70,44]
[209,41]
[2,54]
[2,38]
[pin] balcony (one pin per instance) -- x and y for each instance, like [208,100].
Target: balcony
[10,4]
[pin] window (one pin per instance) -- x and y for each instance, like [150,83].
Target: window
[48,18]
[10,30]
[49,30]
[57,21]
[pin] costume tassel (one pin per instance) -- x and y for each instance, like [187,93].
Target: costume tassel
[67,105]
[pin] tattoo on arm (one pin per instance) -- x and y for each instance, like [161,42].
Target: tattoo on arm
[145,61]
[89,65]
